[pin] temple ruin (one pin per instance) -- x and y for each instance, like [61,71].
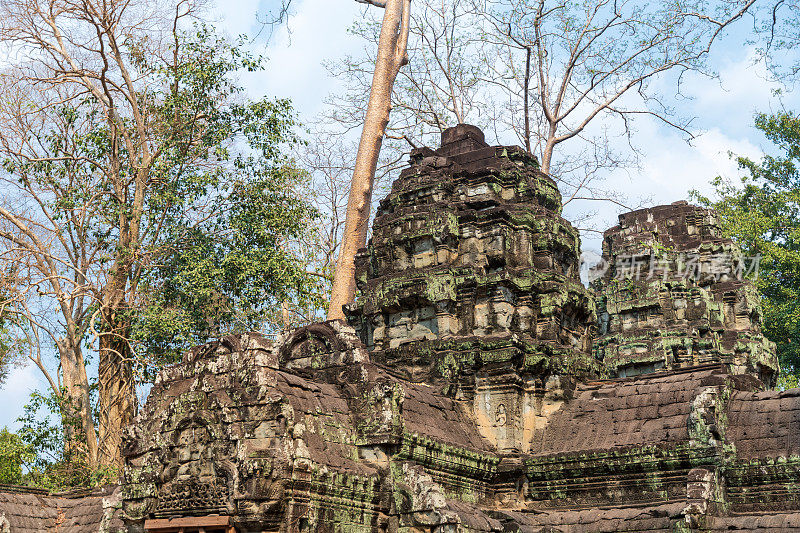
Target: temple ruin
[674,296]
[478,385]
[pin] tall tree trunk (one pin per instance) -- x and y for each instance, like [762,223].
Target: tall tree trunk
[117,394]
[547,153]
[77,403]
[391,56]
[547,156]
[286,314]
[527,98]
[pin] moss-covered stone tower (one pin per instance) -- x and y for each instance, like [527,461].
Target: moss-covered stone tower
[470,282]
[471,269]
[674,295]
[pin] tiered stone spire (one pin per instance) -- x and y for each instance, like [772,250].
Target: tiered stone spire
[674,295]
[471,281]
[471,265]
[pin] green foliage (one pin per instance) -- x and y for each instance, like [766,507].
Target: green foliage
[13,454]
[763,216]
[787,381]
[226,275]
[41,435]
[171,213]
[222,203]
[227,205]
[49,459]
[8,350]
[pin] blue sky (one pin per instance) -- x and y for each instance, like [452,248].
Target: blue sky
[671,167]
[723,108]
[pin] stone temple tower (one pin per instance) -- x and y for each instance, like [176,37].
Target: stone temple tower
[674,295]
[468,399]
[470,280]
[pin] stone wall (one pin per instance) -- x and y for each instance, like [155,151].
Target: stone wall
[465,395]
[306,434]
[30,510]
[674,295]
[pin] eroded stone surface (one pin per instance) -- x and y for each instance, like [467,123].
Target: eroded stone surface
[467,399]
[471,266]
[674,296]
[470,283]
[27,510]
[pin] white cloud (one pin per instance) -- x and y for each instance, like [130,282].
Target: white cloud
[741,90]
[316,32]
[725,108]
[676,167]
[236,17]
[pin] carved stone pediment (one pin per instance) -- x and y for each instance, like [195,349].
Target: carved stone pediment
[192,481]
[192,496]
[323,345]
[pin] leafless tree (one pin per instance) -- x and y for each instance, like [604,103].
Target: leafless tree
[328,159]
[779,40]
[275,17]
[548,73]
[391,56]
[441,85]
[583,59]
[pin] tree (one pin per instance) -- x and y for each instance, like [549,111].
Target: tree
[583,58]
[328,158]
[48,460]
[778,38]
[762,215]
[13,455]
[392,55]
[547,72]
[144,193]
[329,161]
[10,347]
[441,85]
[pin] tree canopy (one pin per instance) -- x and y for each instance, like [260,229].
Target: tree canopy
[149,203]
[762,214]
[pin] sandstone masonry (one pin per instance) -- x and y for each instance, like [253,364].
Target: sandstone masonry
[478,386]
